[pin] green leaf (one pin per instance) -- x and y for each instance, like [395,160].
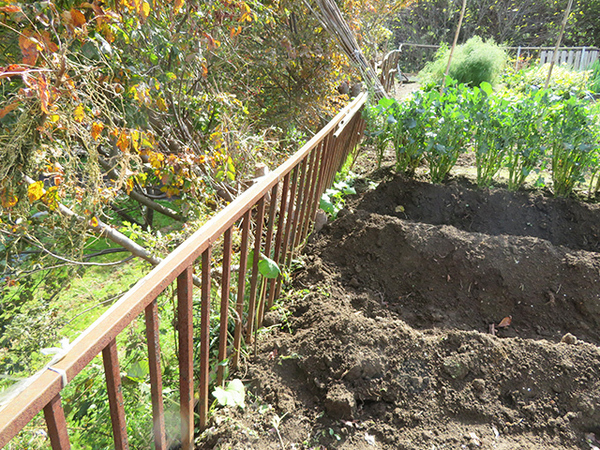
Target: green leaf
[327,206]
[233,394]
[139,370]
[487,88]
[268,268]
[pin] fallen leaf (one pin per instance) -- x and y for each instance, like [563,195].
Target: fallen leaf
[505,322]
[370,439]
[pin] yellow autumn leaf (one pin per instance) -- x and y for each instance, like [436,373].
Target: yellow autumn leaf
[160,102]
[178,5]
[129,185]
[156,159]
[94,222]
[7,199]
[97,128]
[79,114]
[135,139]
[35,191]
[51,198]
[145,10]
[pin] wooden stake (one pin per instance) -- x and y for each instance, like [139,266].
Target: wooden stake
[558,41]
[462,15]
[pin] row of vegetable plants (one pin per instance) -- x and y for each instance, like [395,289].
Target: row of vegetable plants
[525,133]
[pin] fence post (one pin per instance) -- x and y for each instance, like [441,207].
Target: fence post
[185,316]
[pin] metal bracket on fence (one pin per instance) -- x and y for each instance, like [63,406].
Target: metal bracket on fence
[62,373]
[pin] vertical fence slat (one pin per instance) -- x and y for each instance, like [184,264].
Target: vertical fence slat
[305,195]
[57,425]
[185,320]
[153,338]
[291,213]
[241,288]
[299,208]
[320,178]
[225,284]
[316,195]
[332,163]
[279,235]
[112,371]
[268,245]
[316,158]
[260,215]
[204,338]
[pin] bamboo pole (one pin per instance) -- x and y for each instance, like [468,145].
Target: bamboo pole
[332,20]
[558,41]
[460,20]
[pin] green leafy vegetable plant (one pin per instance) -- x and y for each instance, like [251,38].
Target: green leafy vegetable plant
[449,134]
[529,114]
[572,144]
[493,124]
[233,395]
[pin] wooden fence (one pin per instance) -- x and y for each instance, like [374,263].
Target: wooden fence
[275,216]
[580,58]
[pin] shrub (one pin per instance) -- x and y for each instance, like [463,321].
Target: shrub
[473,62]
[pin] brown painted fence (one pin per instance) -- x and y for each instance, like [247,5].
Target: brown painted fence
[275,216]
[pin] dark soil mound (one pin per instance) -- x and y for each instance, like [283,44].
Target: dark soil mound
[561,221]
[394,342]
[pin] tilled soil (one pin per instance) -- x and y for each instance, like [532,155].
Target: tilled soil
[434,317]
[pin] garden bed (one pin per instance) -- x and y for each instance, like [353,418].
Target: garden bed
[393,338]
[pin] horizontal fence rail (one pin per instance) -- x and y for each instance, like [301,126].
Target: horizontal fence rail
[275,217]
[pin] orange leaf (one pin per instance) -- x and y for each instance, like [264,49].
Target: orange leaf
[97,128]
[123,141]
[28,49]
[44,94]
[77,18]
[4,111]
[505,322]
[10,9]
[35,191]
[47,41]
[12,70]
